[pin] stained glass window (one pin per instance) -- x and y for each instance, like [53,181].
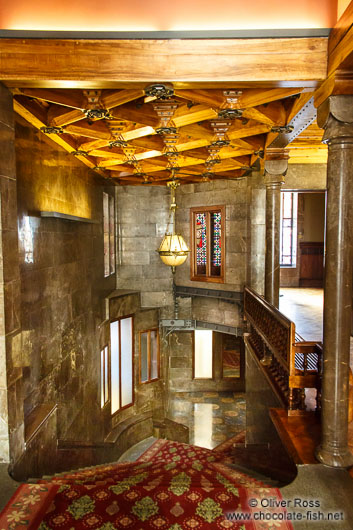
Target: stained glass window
[216,245]
[208,243]
[201,243]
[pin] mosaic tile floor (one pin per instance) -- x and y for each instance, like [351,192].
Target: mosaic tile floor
[212,417]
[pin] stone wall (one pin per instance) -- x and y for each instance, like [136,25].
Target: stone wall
[62,285]
[302,177]
[232,194]
[142,220]
[180,366]
[11,413]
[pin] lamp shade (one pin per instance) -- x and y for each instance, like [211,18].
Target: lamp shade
[173,250]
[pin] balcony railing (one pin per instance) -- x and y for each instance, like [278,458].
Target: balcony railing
[292,366]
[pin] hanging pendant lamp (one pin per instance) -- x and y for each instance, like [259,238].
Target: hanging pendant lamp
[173,250]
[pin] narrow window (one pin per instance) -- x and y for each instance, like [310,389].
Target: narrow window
[208,237]
[149,355]
[109,234]
[121,340]
[104,376]
[288,235]
[203,354]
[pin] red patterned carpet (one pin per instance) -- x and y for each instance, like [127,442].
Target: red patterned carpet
[173,486]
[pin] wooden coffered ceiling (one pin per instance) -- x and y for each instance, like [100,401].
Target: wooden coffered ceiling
[138,111]
[139,136]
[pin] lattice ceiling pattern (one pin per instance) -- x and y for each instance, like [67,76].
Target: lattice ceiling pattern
[143,136]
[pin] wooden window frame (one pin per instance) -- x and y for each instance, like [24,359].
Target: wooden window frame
[149,380]
[105,391]
[193,272]
[132,363]
[193,359]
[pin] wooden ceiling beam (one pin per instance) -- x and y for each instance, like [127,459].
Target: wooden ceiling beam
[117,98]
[31,111]
[339,83]
[255,97]
[115,161]
[341,28]
[139,132]
[133,113]
[239,131]
[97,130]
[211,98]
[256,143]
[92,145]
[340,45]
[187,116]
[272,114]
[67,98]
[59,117]
[115,63]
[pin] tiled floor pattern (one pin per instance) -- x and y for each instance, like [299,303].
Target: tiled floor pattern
[212,417]
[305,307]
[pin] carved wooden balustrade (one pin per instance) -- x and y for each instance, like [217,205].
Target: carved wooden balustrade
[291,366]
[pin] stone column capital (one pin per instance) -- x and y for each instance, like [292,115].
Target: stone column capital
[335,115]
[273,181]
[276,165]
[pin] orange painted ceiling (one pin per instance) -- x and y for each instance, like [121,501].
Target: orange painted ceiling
[155,15]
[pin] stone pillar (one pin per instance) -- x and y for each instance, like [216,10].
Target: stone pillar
[11,402]
[335,115]
[275,169]
[256,232]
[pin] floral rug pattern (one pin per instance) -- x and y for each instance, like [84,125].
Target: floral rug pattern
[172,486]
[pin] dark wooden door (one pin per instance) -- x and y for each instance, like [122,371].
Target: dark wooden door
[311,264]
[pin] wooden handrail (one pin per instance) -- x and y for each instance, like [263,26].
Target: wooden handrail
[275,329]
[292,366]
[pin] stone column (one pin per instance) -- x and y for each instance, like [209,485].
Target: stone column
[335,115]
[256,193]
[275,169]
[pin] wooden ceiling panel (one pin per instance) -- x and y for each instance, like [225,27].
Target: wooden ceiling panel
[200,134]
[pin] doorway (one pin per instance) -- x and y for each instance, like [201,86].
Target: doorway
[302,239]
